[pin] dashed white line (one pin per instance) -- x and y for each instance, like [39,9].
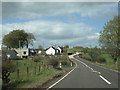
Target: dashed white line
[95,71]
[105,79]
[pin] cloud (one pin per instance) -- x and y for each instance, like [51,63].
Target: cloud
[27,10]
[56,32]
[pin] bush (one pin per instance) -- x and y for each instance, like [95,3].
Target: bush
[64,62]
[37,58]
[7,68]
[87,57]
[54,62]
[100,59]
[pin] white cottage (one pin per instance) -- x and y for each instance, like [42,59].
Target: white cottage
[51,51]
[54,51]
[60,50]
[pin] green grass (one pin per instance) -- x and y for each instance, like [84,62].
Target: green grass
[36,80]
[108,58]
[87,56]
[33,79]
[111,66]
[74,50]
[109,61]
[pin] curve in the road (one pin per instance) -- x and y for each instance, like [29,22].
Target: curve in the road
[87,75]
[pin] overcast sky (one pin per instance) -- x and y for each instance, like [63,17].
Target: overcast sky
[58,23]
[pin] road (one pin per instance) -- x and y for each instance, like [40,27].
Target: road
[88,75]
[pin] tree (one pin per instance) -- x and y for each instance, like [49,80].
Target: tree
[40,47]
[94,53]
[110,37]
[30,39]
[78,47]
[66,46]
[18,38]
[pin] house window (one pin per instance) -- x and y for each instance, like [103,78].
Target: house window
[24,52]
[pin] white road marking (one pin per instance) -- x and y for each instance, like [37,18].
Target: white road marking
[87,66]
[95,71]
[105,79]
[63,76]
[74,69]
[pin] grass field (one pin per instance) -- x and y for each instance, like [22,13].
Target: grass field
[74,50]
[109,61]
[30,74]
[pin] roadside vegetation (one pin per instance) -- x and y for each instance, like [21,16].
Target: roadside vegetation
[33,72]
[108,54]
[103,59]
[75,49]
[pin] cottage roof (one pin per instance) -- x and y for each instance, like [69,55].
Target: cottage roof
[10,52]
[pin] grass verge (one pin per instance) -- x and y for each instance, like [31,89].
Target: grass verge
[108,64]
[31,74]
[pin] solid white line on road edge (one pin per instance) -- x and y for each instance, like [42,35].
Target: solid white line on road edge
[61,78]
[105,79]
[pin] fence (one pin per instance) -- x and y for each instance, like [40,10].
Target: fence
[27,71]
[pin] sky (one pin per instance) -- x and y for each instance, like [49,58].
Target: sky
[58,23]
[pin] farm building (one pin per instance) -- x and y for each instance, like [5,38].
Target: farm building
[22,52]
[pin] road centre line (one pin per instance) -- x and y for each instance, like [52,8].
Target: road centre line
[97,72]
[105,79]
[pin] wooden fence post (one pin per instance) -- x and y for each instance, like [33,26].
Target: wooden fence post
[18,72]
[35,70]
[17,63]
[27,72]
[47,66]
[39,68]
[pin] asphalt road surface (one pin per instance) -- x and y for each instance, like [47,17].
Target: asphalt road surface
[88,75]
